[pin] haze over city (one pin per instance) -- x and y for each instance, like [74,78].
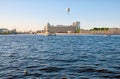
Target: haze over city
[25,15]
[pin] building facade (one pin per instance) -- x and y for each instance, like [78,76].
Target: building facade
[7,31]
[4,30]
[62,28]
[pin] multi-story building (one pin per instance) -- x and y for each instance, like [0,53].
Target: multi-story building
[4,30]
[62,28]
[7,31]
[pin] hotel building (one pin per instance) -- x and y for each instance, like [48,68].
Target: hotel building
[62,28]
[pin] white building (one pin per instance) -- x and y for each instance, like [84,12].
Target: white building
[4,30]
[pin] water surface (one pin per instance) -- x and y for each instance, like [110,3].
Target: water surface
[61,56]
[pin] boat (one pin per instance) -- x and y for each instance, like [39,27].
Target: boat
[108,35]
[50,34]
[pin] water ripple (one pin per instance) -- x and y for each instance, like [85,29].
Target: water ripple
[59,57]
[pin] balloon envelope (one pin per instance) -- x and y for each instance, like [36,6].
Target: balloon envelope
[68,10]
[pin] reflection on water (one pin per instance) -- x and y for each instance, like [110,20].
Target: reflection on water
[59,57]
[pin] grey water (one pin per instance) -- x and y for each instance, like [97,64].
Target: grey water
[59,57]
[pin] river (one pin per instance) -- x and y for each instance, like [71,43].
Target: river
[59,57]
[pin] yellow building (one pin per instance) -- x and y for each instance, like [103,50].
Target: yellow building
[62,28]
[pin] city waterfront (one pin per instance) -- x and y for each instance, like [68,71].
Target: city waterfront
[61,56]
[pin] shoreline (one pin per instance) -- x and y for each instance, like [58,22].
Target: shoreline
[54,34]
[76,34]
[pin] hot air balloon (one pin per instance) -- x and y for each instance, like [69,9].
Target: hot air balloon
[68,10]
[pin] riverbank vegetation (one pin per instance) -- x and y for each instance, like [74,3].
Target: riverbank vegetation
[100,29]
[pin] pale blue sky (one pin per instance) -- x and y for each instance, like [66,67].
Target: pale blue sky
[34,14]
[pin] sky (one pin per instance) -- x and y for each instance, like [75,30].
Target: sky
[25,15]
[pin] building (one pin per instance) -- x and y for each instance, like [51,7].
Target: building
[4,30]
[62,28]
[114,30]
[7,31]
[109,31]
[13,31]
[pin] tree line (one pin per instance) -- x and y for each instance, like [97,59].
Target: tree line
[99,28]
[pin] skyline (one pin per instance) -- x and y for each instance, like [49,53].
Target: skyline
[25,15]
